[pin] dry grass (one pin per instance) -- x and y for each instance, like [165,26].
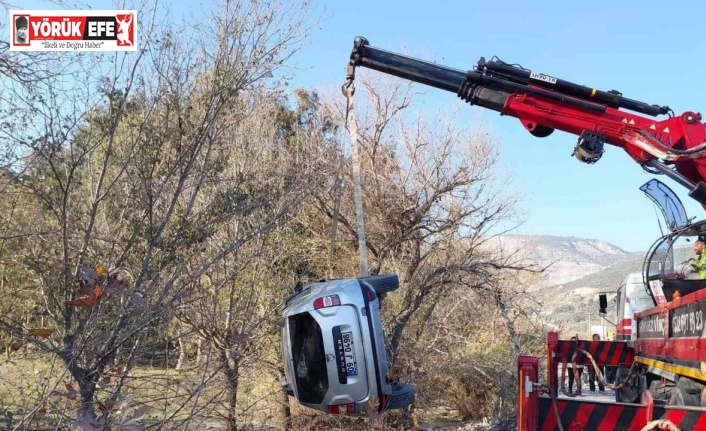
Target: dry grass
[39,392]
[34,389]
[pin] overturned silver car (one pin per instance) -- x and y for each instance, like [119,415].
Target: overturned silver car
[333,347]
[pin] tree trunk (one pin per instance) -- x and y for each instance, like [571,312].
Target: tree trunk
[510,325]
[399,326]
[87,389]
[231,371]
[182,354]
[199,351]
[232,415]
[86,379]
[232,383]
[8,420]
[285,410]
[396,337]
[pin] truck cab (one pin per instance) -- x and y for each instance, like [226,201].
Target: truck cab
[666,335]
[632,297]
[668,268]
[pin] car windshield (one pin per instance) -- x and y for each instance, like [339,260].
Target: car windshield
[309,358]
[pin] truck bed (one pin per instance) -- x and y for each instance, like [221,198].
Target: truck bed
[671,339]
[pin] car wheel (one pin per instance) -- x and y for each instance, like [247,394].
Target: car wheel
[382,283]
[402,396]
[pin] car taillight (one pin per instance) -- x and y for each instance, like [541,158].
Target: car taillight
[327,301]
[342,408]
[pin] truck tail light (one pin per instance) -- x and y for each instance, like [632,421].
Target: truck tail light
[342,408]
[327,301]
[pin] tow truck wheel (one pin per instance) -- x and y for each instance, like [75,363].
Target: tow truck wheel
[660,392]
[628,393]
[687,393]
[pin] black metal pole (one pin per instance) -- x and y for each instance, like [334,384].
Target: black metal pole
[493,75]
[525,76]
[454,80]
[424,72]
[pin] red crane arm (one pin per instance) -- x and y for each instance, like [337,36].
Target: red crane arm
[675,146]
[643,138]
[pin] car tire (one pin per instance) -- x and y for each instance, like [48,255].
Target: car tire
[401,397]
[382,283]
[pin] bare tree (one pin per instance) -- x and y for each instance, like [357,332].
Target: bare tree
[233,306]
[433,199]
[123,196]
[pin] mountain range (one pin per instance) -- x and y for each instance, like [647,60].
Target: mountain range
[577,270]
[566,259]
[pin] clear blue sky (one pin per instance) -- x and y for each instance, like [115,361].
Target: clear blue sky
[649,50]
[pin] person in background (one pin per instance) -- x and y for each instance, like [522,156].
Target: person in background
[699,265]
[579,370]
[592,373]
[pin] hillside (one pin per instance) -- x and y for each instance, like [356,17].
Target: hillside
[578,269]
[609,278]
[568,258]
[574,305]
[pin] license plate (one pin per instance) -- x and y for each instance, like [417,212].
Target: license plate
[349,354]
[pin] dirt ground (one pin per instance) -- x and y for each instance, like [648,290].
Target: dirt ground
[34,391]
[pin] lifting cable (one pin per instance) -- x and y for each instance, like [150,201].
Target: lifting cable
[660,424]
[599,375]
[348,89]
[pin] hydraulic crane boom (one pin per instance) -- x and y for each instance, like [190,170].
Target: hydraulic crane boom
[675,146]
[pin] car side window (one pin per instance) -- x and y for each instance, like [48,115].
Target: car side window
[309,358]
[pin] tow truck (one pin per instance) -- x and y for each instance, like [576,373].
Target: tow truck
[660,348]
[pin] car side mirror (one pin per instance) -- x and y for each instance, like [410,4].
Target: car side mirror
[602,303]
